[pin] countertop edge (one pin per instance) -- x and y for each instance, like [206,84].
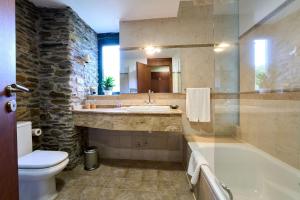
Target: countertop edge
[123,112]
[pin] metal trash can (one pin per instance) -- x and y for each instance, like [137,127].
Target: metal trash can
[91,160]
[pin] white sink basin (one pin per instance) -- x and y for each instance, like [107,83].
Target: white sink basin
[148,108]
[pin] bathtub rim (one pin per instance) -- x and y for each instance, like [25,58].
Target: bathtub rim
[249,147]
[211,178]
[214,183]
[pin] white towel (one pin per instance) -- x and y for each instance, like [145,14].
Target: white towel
[198,104]
[194,168]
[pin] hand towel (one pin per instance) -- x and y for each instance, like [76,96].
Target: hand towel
[198,104]
[194,168]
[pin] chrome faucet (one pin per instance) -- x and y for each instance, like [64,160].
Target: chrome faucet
[149,97]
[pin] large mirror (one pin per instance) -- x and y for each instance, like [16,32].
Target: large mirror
[197,48]
[166,70]
[157,71]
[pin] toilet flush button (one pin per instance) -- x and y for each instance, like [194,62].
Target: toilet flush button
[11,106]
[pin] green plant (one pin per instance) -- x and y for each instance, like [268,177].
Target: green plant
[260,78]
[108,83]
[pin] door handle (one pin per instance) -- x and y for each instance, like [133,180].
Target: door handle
[13,88]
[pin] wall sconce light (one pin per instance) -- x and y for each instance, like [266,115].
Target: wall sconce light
[83,59]
[86,58]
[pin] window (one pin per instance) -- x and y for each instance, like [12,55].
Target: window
[260,62]
[111,64]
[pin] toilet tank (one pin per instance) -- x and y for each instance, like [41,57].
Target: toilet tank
[24,138]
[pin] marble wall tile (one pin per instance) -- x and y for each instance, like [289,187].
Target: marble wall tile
[194,25]
[125,153]
[270,121]
[197,67]
[280,33]
[136,145]
[299,160]
[125,140]
[273,126]
[150,154]
[157,142]
[173,141]
[226,116]
[137,155]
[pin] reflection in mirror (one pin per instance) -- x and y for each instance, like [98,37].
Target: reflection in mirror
[111,64]
[161,78]
[202,42]
[269,49]
[260,62]
[144,70]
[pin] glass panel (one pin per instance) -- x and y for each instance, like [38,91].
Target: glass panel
[226,58]
[260,65]
[226,102]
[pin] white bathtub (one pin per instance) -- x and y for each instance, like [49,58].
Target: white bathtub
[250,173]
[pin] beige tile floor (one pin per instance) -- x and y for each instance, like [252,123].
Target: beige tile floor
[125,180]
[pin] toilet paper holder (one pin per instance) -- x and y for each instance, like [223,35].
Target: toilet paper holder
[36,132]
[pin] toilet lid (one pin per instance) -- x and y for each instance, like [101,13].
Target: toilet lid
[41,159]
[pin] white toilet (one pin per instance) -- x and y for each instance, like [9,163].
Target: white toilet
[37,169]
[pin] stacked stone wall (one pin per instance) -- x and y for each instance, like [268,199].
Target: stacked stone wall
[53,47]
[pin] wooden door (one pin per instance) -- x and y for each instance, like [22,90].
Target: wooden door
[158,62]
[143,77]
[160,82]
[8,138]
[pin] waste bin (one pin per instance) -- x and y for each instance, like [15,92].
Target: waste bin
[91,160]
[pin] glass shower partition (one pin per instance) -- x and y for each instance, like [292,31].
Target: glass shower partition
[256,98]
[226,89]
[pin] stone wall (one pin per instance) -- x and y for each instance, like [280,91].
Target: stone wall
[55,83]
[64,41]
[59,42]
[27,61]
[83,42]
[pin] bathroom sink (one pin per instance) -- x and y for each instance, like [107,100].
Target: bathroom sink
[150,108]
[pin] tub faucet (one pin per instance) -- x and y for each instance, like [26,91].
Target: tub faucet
[227,189]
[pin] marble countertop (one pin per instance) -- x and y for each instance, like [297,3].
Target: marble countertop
[123,110]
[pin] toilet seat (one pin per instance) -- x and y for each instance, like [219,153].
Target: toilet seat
[41,159]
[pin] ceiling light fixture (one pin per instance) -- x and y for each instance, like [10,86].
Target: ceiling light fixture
[150,50]
[221,47]
[218,49]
